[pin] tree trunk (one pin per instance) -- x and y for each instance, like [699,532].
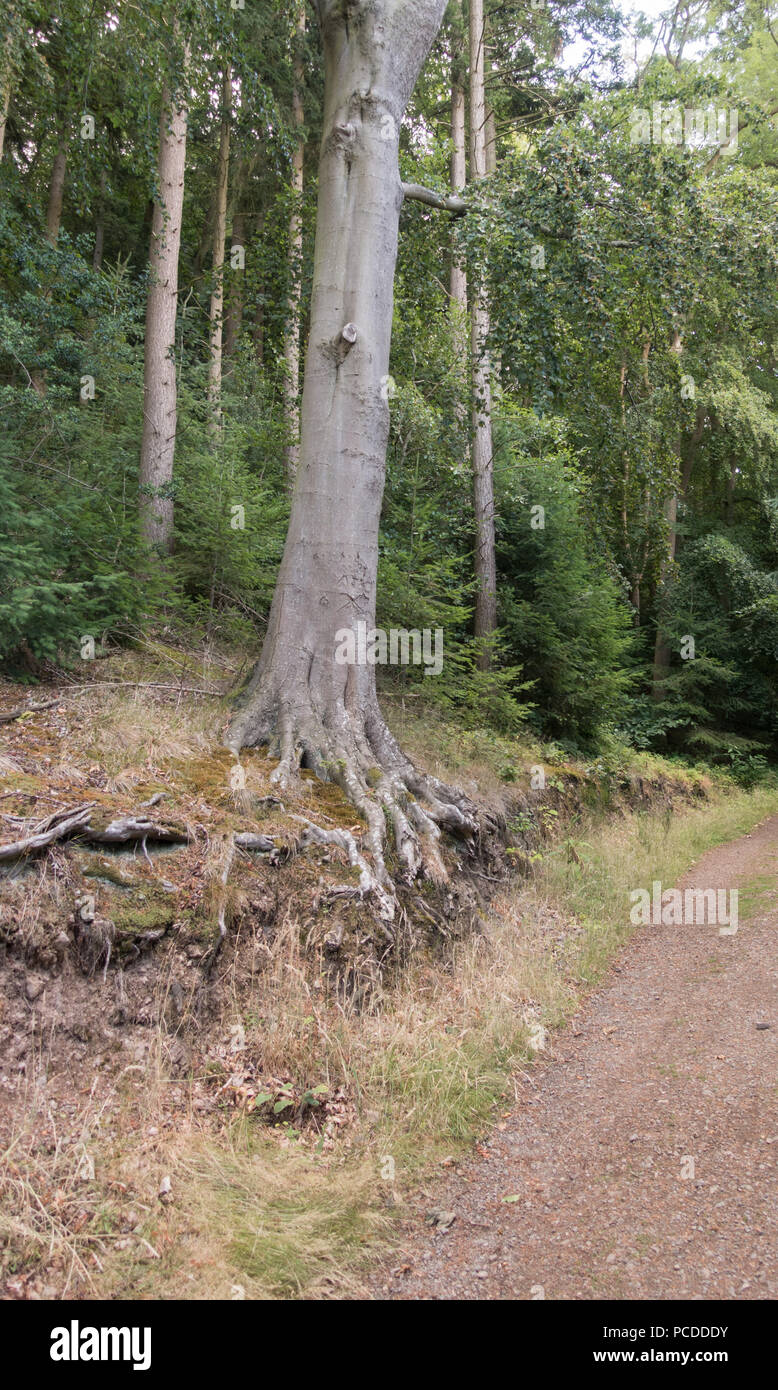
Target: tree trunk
[292,334]
[729,512]
[97,254]
[219,237]
[458,277]
[6,80]
[258,331]
[301,699]
[662,651]
[490,142]
[159,379]
[458,180]
[481,445]
[56,192]
[233,321]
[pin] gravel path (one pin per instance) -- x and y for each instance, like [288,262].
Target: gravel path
[641,1160]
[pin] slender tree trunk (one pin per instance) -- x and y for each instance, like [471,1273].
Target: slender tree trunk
[729,514]
[258,331]
[481,446]
[292,334]
[56,192]
[305,699]
[97,254]
[6,79]
[662,650]
[219,238]
[233,321]
[458,272]
[458,276]
[490,142]
[159,380]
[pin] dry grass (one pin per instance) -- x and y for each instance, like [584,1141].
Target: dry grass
[423,1058]
[125,735]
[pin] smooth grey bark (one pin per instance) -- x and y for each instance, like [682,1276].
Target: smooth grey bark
[458,170]
[159,377]
[662,650]
[56,192]
[6,79]
[219,237]
[97,254]
[233,319]
[292,333]
[300,700]
[457,287]
[481,433]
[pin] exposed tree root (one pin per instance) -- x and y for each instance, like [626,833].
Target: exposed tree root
[367,880]
[76,821]
[358,752]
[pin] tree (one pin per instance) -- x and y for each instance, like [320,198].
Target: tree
[159,377]
[219,237]
[292,334]
[482,451]
[6,77]
[300,699]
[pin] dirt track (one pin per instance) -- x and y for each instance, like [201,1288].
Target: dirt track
[664,1065]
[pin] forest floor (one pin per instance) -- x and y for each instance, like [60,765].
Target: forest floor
[642,1159]
[186,1112]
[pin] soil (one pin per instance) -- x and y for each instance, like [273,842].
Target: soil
[640,1162]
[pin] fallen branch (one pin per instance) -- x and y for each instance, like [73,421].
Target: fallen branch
[63,824]
[261,843]
[127,828]
[78,821]
[7,716]
[71,691]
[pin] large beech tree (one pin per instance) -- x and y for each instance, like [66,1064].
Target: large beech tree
[309,708]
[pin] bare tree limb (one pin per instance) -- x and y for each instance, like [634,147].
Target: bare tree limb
[8,715]
[63,824]
[446,202]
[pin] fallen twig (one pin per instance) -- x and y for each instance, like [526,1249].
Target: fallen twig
[247,840]
[65,825]
[7,716]
[118,832]
[78,820]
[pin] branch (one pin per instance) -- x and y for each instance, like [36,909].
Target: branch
[7,716]
[78,820]
[445,202]
[59,825]
[722,148]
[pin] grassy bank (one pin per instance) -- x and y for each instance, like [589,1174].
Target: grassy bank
[412,1071]
[432,1068]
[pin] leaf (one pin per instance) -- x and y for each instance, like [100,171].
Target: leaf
[281,1105]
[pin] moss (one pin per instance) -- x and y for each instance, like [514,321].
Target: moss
[148,911]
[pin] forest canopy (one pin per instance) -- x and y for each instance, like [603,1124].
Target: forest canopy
[581,482]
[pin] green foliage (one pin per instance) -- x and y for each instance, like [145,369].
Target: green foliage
[634,335]
[563,612]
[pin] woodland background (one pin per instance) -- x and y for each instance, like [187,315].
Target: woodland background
[629,293]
